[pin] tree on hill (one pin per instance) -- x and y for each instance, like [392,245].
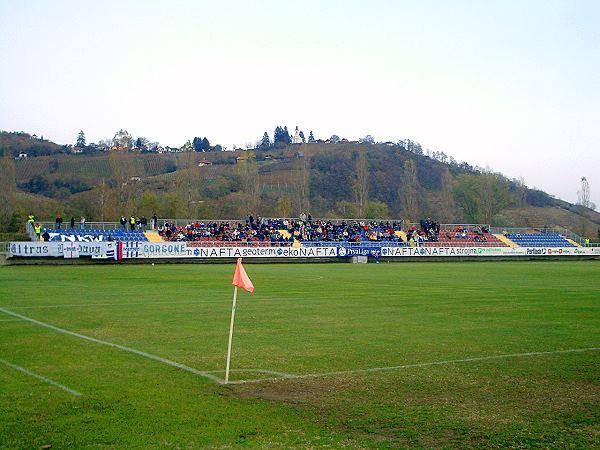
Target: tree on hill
[265,142]
[481,197]
[122,140]
[187,147]
[360,185]
[141,144]
[7,192]
[201,144]
[80,143]
[281,137]
[445,206]
[311,138]
[197,143]
[408,192]
[334,139]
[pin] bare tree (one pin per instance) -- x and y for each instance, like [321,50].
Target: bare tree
[360,186]
[304,190]
[447,208]
[7,189]
[408,192]
[520,192]
[248,173]
[583,195]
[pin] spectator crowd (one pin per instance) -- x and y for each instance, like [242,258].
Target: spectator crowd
[283,231]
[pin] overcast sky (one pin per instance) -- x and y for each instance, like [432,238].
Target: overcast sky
[509,85]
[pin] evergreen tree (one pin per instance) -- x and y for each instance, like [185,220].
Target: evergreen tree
[301,134]
[286,136]
[141,143]
[311,138]
[197,143]
[80,140]
[265,142]
[278,135]
[205,145]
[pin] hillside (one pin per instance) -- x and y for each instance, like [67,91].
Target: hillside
[15,143]
[347,180]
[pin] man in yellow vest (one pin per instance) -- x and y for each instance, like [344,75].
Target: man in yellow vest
[30,221]
[132,222]
[38,230]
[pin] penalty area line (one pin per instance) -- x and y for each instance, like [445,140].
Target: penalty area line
[418,365]
[120,347]
[41,378]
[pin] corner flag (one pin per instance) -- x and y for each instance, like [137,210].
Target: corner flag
[241,279]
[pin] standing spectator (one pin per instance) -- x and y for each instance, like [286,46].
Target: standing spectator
[38,230]
[82,222]
[72,223]
[45,235]
[124,222]
[154,221]
[143,223]
[132,222]
[59,222]
[30,221]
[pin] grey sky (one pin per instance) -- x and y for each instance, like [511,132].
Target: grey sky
[512,85]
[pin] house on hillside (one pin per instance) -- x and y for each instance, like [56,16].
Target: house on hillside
[204,162]
[22,155]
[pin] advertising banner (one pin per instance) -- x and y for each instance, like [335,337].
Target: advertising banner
[348,252]
[169,250]
[99,250]
[181,250]
[485,251]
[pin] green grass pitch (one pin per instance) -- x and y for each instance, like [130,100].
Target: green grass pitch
[425,355]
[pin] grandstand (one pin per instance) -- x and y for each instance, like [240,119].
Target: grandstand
[266,232]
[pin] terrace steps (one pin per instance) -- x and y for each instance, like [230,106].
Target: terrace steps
[153,236]
[506,240]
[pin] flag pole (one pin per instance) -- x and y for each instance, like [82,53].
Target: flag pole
[230,335]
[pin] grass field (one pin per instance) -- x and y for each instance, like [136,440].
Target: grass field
[426,355]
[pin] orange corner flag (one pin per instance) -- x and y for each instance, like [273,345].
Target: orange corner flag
[241,279]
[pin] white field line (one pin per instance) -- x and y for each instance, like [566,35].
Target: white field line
[42,378]
[120,347]
[418,365]
[10,320]
[269,372]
